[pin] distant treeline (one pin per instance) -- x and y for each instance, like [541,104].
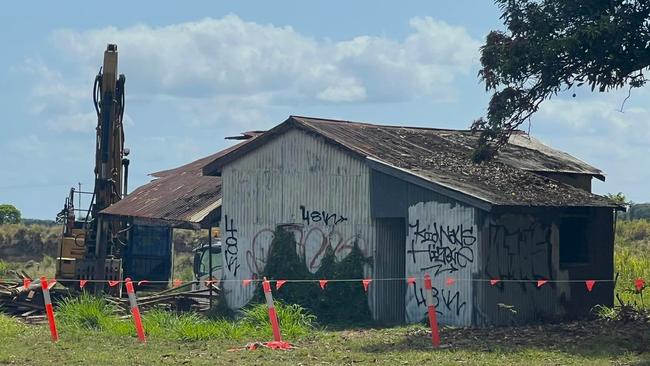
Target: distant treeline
[32,239]
[636,211]
[39,222]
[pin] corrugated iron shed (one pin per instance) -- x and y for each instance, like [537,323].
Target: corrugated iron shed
[441,158]
[181,197]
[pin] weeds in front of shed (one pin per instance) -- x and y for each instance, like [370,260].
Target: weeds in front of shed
[87,312]
[90,313]
[331,305]
[9,327]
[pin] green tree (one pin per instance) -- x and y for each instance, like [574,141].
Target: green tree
[550,46]
[9,214]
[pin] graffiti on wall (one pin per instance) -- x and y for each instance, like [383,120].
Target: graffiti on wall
[327,218]
[518,250]
[313,236]
[517,247]
[444,300]
[232,249]
[441,241]
[449,248]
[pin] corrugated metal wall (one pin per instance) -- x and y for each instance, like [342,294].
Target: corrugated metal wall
[390,287]
[329,198]
[525,245]
[517,246]
[442,241]
[295,179]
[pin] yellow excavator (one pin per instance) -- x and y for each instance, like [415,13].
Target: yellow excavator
[91,248]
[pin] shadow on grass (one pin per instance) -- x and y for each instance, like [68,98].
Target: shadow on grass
[584,338]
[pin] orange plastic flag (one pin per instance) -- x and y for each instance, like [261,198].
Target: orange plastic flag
[639,284]
[494,281]
[246,282]
[410,280]
[113,283]
[322,283]
[590,284]
[177,282]
[450,281]
[209,282]
[541,283]
[82,283]
[366,283]
[279,284]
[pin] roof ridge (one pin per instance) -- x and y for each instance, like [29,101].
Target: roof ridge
[373,124]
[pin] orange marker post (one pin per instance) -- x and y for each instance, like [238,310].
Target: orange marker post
[272,314]
[134,310]
[433,321]
[48,309]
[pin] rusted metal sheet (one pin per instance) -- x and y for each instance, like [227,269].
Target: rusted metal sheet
[304,184]
[181,197]
[442,158]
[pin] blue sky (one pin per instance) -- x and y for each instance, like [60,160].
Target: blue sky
[198,73]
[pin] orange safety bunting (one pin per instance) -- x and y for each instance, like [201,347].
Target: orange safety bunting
[246,282]
[51,284]
[177,282]
[450,281]
[322,284]
[82,283]
[410,280]
[366,283]
[279,284]
[590,284]
[639,284]
[208,283]
[494,281]
[541,283]
[113,283]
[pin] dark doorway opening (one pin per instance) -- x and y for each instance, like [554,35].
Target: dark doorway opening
[390,262]
[573,241]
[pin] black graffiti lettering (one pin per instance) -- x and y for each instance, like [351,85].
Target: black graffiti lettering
[232,262]
[518,252]
[418,293]
[325,217]
[447,249]
[304,214]
[452,301]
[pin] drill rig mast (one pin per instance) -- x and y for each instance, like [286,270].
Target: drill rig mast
[90,247]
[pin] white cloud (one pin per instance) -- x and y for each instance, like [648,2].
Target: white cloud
[599,116]
[76,122]
[229,56]
[594,129]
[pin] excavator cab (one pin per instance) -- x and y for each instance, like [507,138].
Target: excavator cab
[203,255]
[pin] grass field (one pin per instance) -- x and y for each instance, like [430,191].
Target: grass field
[582,343]
[92,333]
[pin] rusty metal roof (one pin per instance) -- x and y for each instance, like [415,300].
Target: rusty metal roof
[441,158]
[181,197]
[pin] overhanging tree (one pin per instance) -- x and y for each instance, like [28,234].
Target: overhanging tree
[550,46]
